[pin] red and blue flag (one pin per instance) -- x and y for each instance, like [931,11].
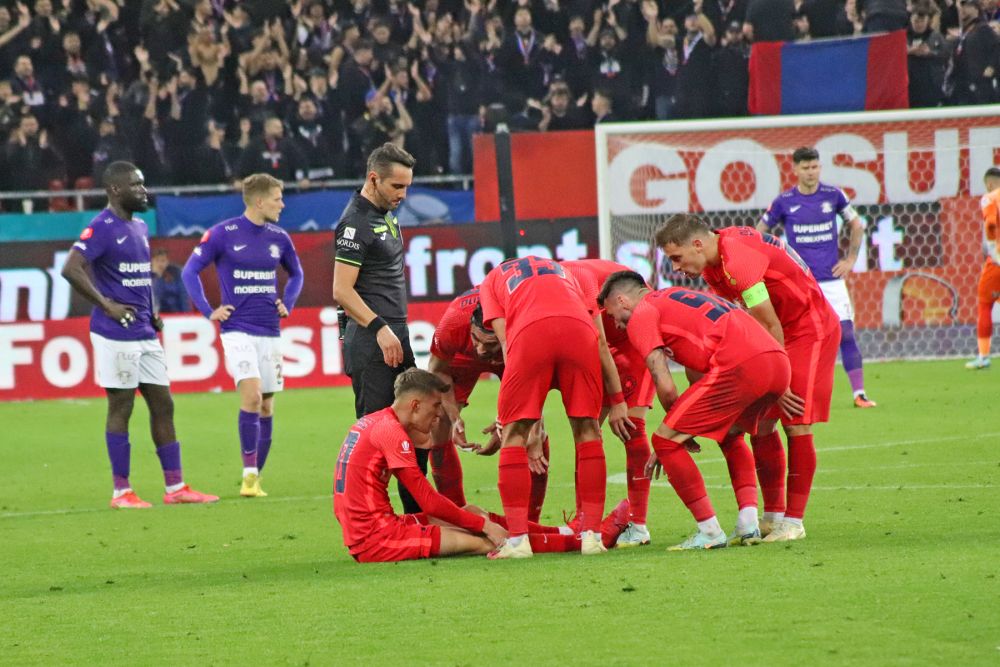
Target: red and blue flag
[853,74]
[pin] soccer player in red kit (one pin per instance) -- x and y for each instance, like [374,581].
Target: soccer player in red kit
[462,350]
[547,337]
[382,444]
[741,263]
[628,392]
[742,372]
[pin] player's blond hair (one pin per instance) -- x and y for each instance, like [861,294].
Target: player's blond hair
[258,185]
[419,381]
[680,229]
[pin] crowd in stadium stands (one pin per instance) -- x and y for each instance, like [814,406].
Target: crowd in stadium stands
[207,91]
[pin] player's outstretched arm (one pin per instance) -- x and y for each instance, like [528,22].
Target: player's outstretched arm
[434,504]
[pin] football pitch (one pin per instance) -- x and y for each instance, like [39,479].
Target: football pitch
[899,566]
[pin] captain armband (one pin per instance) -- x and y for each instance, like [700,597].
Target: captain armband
[755,295]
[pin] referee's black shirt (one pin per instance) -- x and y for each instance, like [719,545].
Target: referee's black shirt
[370,238]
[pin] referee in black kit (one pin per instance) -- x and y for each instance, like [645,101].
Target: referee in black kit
[368,284]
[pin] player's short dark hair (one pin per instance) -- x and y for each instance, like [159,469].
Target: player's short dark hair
[420,381]
[680,228]
[992,172]
[804,154]
[382,158]
[477,319]
[617,281]
[116,173]
[160,251]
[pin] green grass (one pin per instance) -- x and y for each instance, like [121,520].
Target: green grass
[899,567]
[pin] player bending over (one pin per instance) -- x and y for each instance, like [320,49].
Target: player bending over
[743,371]
[628,392]
[462,350]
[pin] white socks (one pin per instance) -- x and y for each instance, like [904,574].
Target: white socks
[710,527]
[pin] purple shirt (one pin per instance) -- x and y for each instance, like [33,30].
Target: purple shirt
[118,253]
[246,258]
[810,223]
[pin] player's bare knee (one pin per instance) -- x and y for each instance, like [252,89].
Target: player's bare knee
[794,430]
[267,405]
[585,429]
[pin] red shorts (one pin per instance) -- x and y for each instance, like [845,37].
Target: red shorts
[557,351]
[637,383]
[813,362]
[739,396]
[409,537]
[989,283]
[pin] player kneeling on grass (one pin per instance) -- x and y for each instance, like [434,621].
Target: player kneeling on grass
[382,444]
[743,369]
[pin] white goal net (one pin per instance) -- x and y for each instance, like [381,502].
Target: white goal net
[915,178]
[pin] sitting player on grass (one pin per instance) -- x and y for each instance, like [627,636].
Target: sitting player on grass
[381,445]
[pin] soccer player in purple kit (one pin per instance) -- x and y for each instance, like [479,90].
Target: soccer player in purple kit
[808,212]
[247,251]
[110,267]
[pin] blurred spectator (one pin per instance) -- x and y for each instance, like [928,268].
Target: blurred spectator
[214,160]
[169,295]
[320,151]
[12,35]
[664,63]
[110,147]
[972,71]
[696,75]
[273,154]
[10,112]
[28,87]
[608,68]
[882,15]
[769,21]
[602,105]
[561,112]
[462,73]
[800,24]
[31,161]
[732,63]
[521,58]
[926,56]
[385,120]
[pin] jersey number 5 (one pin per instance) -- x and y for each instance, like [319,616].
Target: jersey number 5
[719,307]
[519,270]
[345,455]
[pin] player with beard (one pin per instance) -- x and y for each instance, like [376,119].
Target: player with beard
[110,266]
[246,252]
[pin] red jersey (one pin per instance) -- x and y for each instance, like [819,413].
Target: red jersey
[749,257]
[452,341]
[523,291]
[699,331]
[590,275]
[375,447]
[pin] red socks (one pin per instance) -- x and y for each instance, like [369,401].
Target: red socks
[533,528]
[514,484]
[591,480]
[801,469]
[447,471]
[684,476]
[539,483]
[553,543]
[636,454]
[739,459]
[769,456]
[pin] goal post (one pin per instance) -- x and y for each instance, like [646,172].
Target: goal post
[915,178]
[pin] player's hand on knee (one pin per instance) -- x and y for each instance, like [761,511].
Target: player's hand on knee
[494,532]
[621,425]
[392,349]
[692,446]
[652,467]
[537,462]
[791,405]
[222,313]
[493,445]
